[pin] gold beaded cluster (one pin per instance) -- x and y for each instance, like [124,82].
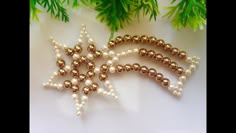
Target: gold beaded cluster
[82,84]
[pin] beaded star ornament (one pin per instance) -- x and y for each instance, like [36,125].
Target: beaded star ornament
[83,84]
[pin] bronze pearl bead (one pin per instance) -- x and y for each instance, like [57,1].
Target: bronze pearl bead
[179,70]
[182,54]
[175,51]
[78,49]
[143,52]
[152,72]
[127,38]
[82,78]
[160,43]
[166,60]
[136,39]
[83,59]
[151,53]
[69,51]
[90,74]
[91,48]
[94,87]
[62,72]
[75,88]
[165,82]
[119,68]
[158,57]
[136,67]
[86,90]
[74,73]
[118,40]
[128,67]
[173,65]
[104,68]
[67,84]
[143,70]
[159,77]
[102,76]
[98,53]
[90,65]
[75,63]
[60,63]
[152,40]
[144,39]
[111,44]
[167,47]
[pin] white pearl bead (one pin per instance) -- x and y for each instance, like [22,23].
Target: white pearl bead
[107,83]
[60,87]
[75,56]
[187,72]
[74,96]
[135,50]
[84,98]
[116,97]
[53,41]
[109,62]
[182,78]
[110,89]
[111,53]
[115,59]
[112,69]
[76,100]
[44,84]
[74,81]
[55,47]
[90,56]
[67,68]
[192,67]
[174,92]
[188,60]
[58,55]
[178,94]
[100,90]
[180,84]
[104,92]
[51,38]
[180,90]
[97,70]
[77,104]
[83,103]
[196,63]
[195,58]
[78,113]
[49,80]
[113,94]
[80,41]
[80,105]
[78,108]
[171,87]
[57,50]
[65,46]
[55,74]
[90,41]
[109,93]
[129,51]
[105,48]
[88,82]
[123,53]
[105,55]
[118,55]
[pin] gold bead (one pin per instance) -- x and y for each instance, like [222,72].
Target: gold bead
[86,90]
[90,74]
[136,67]
[182,54]
[142,52]
[75,64]
[128,67]
[159,77]
[111,44]
[160,43]
[143,70]
[104,68]
[82,78]
[135,39]
[83,59]
[60,63]
[168,47]
[90,65]
[173,65]
[151,53]
[119,68]
[102,76]
[98,53]
[175,51]
[118,40]
[62,72]
[74,73]
[144,39]
[78,48]
[91,48]
[67,84]
[158,57]
[152,72]
[94,87]
[127,38]
[166,61]
[152,40]
[75,88]
[69,51]
[179,70]
[165,82]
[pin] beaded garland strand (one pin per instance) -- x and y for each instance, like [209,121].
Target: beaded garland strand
[80,95]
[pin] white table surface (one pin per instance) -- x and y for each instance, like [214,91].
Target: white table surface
[143,105]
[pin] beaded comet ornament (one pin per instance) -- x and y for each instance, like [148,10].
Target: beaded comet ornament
[84,84]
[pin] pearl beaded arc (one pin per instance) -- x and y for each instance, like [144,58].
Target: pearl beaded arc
[84,85]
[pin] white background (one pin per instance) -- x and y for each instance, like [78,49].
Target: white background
[143,105]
